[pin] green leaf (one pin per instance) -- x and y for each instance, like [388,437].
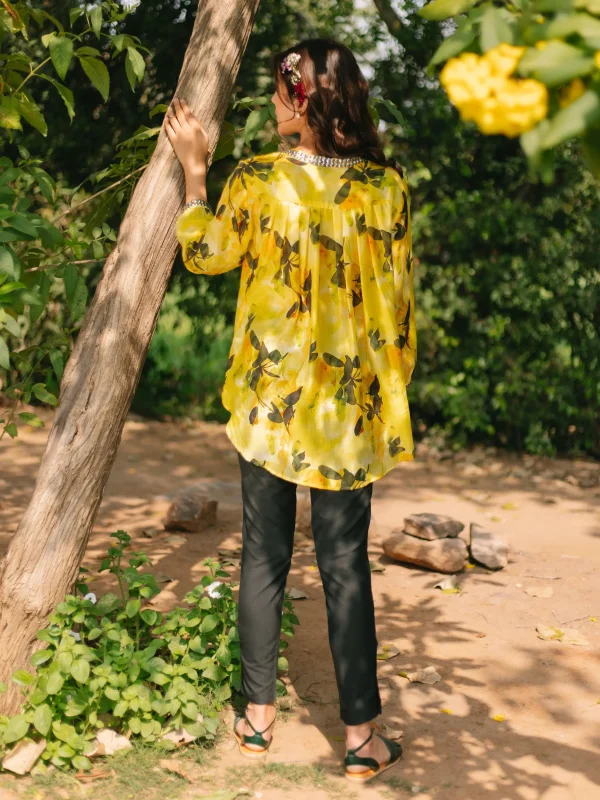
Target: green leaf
[494,29]
[590,149]
[132,607]
[23,224]
[96,20]
[22,678]
[55,683]
[255,123]
[112,693]
[121,708]
[438,10]
[282,664]
[107,604]
[3,687]
[32,114]
[57,361]
[209,623]
[214,673]
[223,655]
[556,64]
[82,763]
[149,616]
[573,120]
[44,395]
[66,94]
[16,729]
[42,719]
[10,116]
[80,670]
[392,108]
[138,64]
[61,53]
[226,143]
[11,430]
[97,73]
[40,656]
[4,354]
[195,729]
[453,45]
[190,710]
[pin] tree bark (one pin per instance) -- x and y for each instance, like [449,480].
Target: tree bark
[389,16]
[103,371]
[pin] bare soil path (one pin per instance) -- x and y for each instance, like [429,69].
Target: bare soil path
[546,743]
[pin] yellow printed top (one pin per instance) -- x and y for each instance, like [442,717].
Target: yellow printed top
[324,341]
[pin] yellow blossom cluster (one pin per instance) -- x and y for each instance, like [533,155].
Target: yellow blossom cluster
[483,91]
[597,59]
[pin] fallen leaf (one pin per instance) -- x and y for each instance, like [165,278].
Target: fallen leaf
[565,635]
[313,568]
[391,733]
[297,594]
[509,506]
[445,711]
[470,566]
[161,577]
[109,742]
[481,635]
[387,651]
[185,769]
[180,736]
[449,585]
[376,566]
[593,619]
[427,675]
[499,718]
[539,591]
[229,551]
[23,756]
[494,518]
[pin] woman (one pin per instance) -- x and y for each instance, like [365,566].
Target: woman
[323,350]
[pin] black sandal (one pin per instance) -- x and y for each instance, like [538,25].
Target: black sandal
[373,767]
[257,738]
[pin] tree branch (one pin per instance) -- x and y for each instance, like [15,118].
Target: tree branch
[392,21]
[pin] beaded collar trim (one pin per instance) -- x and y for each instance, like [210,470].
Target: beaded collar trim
[324,161]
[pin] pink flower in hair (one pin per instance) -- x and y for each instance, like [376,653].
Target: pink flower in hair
[289,66]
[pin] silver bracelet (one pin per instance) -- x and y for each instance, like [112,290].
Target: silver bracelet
[198,202]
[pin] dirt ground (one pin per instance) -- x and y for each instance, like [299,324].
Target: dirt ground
[482,641]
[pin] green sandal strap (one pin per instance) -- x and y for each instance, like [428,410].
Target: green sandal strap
[257,737]
[353,760]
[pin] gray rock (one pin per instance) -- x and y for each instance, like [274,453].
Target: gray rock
[441,555]
[488,548]
[432,526]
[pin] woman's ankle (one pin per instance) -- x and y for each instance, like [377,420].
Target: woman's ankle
[261,713]
[357,734]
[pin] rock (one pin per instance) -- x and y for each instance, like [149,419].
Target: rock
[441,555]
[108,742]
[23,756]
[488,548]
[432,526]
[472,471]
[191,511]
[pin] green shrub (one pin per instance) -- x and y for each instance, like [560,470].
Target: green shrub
[121,664]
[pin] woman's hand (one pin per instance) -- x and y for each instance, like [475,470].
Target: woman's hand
[187,136]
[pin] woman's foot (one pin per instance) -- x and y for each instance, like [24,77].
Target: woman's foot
[261,718]
[375,748]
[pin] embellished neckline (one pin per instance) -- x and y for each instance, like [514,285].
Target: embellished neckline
[323,161]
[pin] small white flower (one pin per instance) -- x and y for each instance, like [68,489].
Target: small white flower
[212,589]
[75,635]
[128,3]
[91,596]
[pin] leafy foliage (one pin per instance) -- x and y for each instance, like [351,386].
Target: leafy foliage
[118,663]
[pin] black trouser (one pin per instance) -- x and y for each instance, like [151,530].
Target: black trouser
[340,523]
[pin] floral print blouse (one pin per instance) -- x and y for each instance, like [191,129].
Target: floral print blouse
[324,341]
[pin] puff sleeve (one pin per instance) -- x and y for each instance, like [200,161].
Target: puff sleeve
[404,299]
[215,243]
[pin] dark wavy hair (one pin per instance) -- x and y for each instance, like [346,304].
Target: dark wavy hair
[338,95]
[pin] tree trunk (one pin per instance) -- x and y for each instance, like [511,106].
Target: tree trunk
[102,373]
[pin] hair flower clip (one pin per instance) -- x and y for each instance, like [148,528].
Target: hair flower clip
[289,66]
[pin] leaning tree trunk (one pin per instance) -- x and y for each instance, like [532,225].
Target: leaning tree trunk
[103,371]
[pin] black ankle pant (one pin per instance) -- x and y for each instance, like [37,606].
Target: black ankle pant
[340,523]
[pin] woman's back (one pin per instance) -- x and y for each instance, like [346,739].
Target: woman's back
[325,341]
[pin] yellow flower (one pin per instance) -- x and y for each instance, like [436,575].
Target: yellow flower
[503,59]
[542,44]
[597,59]
[571,92]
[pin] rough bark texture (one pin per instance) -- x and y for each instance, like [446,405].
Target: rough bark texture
[103,371]
[389,16]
